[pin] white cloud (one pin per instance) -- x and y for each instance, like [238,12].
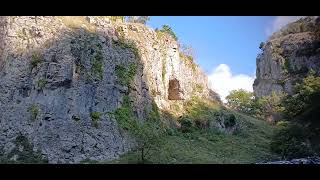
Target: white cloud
[279,22]
[222,81]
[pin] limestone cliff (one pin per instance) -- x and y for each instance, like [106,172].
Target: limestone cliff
[57,73]
[288,56]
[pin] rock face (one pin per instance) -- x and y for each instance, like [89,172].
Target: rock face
[56,73]
[226,122]
[288,56]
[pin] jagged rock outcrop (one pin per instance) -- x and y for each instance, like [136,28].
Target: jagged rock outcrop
[288,56]
[60,77]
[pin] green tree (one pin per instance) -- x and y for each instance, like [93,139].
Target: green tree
[148,133]
[305,95]
[240,100]
[167,29]
[271,104]
[290,140]
[149,138]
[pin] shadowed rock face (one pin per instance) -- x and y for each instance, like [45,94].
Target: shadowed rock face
[55,73]
[288,56]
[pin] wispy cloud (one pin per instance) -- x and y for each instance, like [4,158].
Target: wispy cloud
[279,22]
[222,81]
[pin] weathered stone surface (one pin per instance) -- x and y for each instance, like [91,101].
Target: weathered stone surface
[55,72]
[224,122]
[288,56]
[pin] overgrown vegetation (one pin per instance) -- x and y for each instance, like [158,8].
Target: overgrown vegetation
[91,48]
[287,66]
[121,35]
[201,111]
[95,117]
[305,95]
[42,83]
[291,138]
[245,102]
[306,24]
[187,125]
[22,153]
[194,144]
[34,110]
[167,29]
[199,88]
[187,55]
[126,43]
[36,58]
[290,141]
[269,105]
[125,75]
[97,65]
[148,134]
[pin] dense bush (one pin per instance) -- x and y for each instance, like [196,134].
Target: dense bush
[290,141]
[148,134]
[187,124]
[22,153]
[126,75]
[245,102]
[229,120]
[36,59]
[95,116]
[304,96]
[271,104]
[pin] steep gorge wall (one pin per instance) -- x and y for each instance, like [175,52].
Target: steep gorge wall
[55,72]
[288,56]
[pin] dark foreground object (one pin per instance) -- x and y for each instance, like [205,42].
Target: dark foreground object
[308,160]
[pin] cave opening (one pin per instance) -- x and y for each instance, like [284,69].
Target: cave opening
[174,91]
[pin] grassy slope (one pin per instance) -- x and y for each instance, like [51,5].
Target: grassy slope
[249,145]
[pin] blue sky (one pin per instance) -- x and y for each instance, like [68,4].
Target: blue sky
[225,47]
[232,40]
